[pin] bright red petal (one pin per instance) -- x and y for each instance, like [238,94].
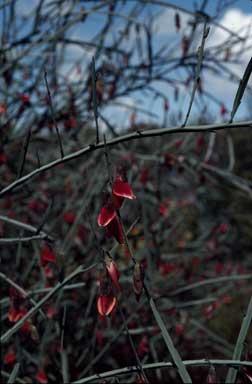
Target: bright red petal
[106,216]
[105,305]
[120,188]
[115,229]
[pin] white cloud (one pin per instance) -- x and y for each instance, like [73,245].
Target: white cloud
[240,23]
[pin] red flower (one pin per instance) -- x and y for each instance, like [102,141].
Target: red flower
[14,315]
[10,357]
[24,98]
[69,217]
[112,271]
[179,329]
[106,215]
[47,255]
[143,347]
[114,229]
[106,304]
[41,377]
[223,110]
[122,189]
[3,158]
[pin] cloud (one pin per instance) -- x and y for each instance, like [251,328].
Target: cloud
[241,24]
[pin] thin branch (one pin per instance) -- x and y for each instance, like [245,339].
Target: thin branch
[53,116]
[124,138]
[189,363]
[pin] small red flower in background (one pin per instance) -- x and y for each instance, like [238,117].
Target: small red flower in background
[2,108]
[47,256]
[166,268]
[24,98]
[168,160]
[223,228]
[179,329]
[209,310]
[69,217]
[3,158]
[223,110]
[143,347]
[41,377]
[10,357]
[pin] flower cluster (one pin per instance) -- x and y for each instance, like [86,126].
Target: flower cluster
[108,217]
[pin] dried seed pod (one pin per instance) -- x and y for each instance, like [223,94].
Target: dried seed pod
[138,280]
[112,271]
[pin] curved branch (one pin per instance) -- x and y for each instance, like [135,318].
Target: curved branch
[125,138]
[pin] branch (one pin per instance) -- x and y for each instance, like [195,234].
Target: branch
[192,363]
[125,138]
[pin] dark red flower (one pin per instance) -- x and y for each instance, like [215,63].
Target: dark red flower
[106,215]
[168,160]
[143,347]
[47,256]
[41,377]
[24,98]
[114,229]
[223,110]
[179,329]
[122,189]
[10,357]
[3,158]
[106,304]
[69,217]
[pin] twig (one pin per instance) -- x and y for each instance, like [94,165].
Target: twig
[197,71]
[122,139]
[81,269]
[95,99]
[232,373]
[189,363]
[53,117]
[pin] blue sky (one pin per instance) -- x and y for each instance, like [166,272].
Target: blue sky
[234,17]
